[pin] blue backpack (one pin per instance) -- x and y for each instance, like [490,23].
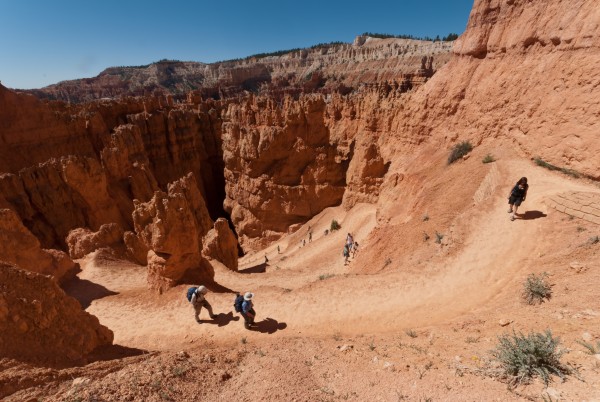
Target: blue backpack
[237,304]
[190,293]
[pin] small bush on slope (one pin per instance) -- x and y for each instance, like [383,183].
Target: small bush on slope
[524,357]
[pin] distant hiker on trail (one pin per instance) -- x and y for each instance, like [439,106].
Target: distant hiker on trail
[244,306]
[516,196]
[326,232]
[303,242]
[354,249]
[266,258]
[310,236]
[346,253]
[349,241]
[195,296]
[278,250]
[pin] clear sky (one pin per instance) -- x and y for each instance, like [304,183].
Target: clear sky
[46,41]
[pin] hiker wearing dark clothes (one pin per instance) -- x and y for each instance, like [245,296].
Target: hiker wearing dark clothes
[349,241]
[516,196]
[248,310]
[310,237]
[266,258]
[355,249]
[198,301]
[346,253]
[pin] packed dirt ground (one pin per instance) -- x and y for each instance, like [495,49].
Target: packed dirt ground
[413,316]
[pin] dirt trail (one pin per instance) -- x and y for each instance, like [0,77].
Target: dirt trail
[307,291]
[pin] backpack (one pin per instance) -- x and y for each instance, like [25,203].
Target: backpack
[237,304]
[190,293]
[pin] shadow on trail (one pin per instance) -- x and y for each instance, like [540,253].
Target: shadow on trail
[269,326]
[529,215]
[85,292]
[257,269]
[221,319]
[113,352]
[195,277]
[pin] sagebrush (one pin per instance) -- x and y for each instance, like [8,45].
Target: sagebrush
[536,289]
[459,150]
[526,356]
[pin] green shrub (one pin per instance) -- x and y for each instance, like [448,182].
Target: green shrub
[524,357]
[536,289]
[489,158]
[459,150]
[334,226]
[549,166]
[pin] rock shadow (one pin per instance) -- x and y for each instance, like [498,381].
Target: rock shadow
[269,326]
[529,215]
[221,319]
[85,292]
[113,352]
[195,277]
[257,269]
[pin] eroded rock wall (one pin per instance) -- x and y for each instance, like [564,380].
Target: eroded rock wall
[41,324]
[281,165]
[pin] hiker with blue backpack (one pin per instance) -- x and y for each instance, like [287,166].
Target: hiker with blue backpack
[245,306]
[196,296]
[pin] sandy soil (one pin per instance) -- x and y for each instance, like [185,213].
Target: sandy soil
[326,331]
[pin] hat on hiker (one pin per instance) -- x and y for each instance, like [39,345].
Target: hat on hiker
[248,296]
[202,289]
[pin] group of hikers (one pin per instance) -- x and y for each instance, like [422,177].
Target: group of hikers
[242,304]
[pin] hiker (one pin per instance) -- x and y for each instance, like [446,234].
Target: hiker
[303,242]
[198,301]
[266,258]
[354,249]
[517,196]
[326,232]
[310,236]
[278,249]
[349,241]
[346,253]
[244,305]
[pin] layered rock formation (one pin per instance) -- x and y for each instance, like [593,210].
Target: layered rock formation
[326,68]
[41,324]
[281,166]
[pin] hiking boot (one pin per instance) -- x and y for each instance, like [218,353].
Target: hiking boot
[510,210]
[512,218]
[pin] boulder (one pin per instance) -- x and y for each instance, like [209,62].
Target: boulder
[82,241]
[221,244]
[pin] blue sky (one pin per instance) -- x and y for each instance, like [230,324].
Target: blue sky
[44,41]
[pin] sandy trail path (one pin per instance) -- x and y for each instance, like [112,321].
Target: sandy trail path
[290,292]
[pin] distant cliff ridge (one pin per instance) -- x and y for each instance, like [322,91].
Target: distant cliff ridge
[336,67]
